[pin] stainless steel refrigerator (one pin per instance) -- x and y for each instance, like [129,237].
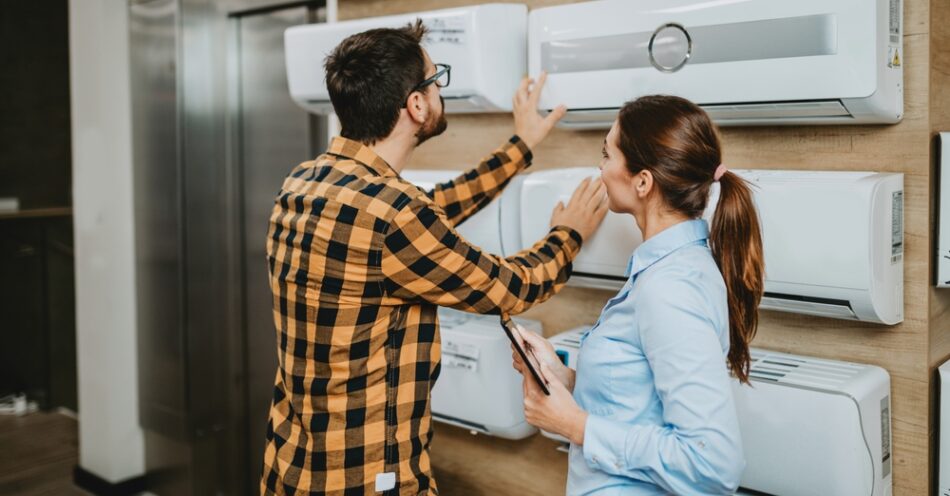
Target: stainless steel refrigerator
[214,133]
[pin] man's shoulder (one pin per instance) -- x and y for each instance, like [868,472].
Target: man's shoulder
[351,182]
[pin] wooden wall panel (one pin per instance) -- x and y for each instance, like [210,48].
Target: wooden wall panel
[908,351]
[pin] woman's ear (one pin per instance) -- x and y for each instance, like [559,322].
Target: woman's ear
[643,183]
[417,106]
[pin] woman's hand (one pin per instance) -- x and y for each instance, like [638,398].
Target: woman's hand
[557,413]
[543,350]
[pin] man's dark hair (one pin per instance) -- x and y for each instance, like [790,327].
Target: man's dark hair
[369,77]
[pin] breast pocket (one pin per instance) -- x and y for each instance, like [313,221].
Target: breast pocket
[595,364]
[613,370]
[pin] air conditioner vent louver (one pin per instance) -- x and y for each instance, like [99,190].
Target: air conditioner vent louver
[787,369]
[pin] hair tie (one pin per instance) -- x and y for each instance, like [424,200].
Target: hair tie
[719,172]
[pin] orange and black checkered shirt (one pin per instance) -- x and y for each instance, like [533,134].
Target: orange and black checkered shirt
[359,261]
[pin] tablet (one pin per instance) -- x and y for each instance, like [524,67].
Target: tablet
[531,363]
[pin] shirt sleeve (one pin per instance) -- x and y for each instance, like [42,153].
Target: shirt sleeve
[424,259]
[465,195]
[698,449]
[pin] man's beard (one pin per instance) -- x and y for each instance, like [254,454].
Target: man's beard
[434,126]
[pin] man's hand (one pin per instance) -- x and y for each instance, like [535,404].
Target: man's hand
[529,125]
[585,210]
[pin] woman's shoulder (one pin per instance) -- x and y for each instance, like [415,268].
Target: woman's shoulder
[690,264]
[688,281]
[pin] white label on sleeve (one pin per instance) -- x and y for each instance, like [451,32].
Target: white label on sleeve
[385,481]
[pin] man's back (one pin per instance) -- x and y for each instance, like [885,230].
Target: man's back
[359,259]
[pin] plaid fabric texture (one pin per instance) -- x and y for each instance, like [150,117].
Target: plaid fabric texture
[359,261]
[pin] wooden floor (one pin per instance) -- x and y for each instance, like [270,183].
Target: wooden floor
[37,455]
[467,465]
[39,451]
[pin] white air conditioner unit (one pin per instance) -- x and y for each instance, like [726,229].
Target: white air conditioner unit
[484,44]
[943,213]
[477,388]
[812,426]
[833,241]
[745,62]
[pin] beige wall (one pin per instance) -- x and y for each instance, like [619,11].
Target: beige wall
[909,351]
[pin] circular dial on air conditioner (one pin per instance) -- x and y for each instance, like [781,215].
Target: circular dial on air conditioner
[670,47]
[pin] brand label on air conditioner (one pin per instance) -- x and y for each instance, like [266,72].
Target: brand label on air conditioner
[897,226]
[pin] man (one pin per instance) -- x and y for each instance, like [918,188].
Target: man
[360,259]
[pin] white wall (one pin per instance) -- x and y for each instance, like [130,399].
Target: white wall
[111,443]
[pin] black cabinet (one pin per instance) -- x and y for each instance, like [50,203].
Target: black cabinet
[37,309]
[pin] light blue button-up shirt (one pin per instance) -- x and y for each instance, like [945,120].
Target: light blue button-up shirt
[652,376]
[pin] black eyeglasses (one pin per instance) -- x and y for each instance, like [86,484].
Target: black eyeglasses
[441,78]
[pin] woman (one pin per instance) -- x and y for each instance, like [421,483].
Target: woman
[650,408]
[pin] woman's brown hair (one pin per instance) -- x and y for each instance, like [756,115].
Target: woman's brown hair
[676,141]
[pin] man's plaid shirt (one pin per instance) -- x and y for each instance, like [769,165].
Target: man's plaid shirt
[359,261]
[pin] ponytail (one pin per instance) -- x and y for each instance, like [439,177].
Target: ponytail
[736,243]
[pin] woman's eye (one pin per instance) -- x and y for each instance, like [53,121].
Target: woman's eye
[603,153]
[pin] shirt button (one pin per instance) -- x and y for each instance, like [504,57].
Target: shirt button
[595,459]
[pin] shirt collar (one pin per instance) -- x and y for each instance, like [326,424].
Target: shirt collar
[361,153]
[665,242]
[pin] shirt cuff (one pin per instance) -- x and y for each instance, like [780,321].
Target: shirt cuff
[604,444]
[516,142]
[569,237]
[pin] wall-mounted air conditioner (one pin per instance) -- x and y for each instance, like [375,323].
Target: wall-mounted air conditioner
[484,44]
[477,388]
[833,241]
[748,62]
[812,426]
[942,263]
